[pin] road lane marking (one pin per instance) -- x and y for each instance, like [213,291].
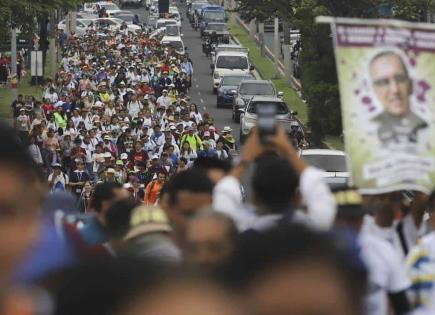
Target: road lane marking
[199,93]
[202,101]
[197,86]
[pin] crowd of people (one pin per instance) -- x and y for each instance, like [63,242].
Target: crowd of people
[119,196]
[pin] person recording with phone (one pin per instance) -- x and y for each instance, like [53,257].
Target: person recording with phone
[280,180]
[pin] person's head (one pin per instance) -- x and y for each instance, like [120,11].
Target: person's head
[186,146]
[189,192]
[117,220]
[295,270]
[22,192]
[274,184]
[391,83]
[80,165]
[210,239]
[88,187]
[138,145]
[161,177]
[216,169]
[106,194]
[350,211]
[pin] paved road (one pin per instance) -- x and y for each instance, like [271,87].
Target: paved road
[201,92]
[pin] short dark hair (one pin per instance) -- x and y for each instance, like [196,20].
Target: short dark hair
[104,192]
[274,183]
[13,152]
[208,163]
[257,253]
[193,180]
[118,218]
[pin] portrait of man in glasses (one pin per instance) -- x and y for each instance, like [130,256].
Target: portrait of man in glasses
[399,126]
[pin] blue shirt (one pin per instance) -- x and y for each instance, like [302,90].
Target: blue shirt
[93,233]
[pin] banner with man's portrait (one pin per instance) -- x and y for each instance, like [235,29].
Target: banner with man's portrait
[386,71]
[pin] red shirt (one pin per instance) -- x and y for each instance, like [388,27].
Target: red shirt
[139,156]
[47,108]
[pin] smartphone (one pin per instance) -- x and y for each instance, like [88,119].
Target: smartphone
[266,121]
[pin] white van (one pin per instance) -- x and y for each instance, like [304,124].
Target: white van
[175,42]
[229,60]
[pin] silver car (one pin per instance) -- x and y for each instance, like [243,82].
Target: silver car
[249,88]
[284,116]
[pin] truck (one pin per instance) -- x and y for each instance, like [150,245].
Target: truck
[229,60]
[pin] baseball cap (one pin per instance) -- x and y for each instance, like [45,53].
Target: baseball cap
[119,162]
[107,155]
[106,137]
[110,170]
[206,134]
[124,156]
[155,157]
[146,220]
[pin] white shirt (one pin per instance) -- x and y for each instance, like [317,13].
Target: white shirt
[134,108]
[227,198]
[61,179]
[386,273]
[164,101]
[390,234]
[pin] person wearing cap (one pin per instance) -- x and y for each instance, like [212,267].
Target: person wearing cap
[78,178]
[109,175]
[109,146]
[230,140]
[387,275]
[120,172]
[193,139]
[134,106]
[164,100]
[58,180]
[164,80]
[150,236]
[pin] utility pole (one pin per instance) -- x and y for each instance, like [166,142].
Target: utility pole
[276,47]
[261,37]
[252,28]
[286,47]
[52,48]
[14,76]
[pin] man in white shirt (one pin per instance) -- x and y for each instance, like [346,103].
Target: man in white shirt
[164,100]
[273,198]
[387,279]
[402,234]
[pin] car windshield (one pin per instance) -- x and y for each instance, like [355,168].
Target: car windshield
[329,163]
[126,18]
[172,30]
[281,107]
[175,44]
[216,27]
[257,89]
[196,6]
[234,80]
[232,62]
[110,7]
[210,16]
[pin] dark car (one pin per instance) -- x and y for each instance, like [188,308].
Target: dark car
[221,31]
[227,86]
[195,6]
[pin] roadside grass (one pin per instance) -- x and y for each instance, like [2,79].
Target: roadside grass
[24,88]
[334,142]
[267,70]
